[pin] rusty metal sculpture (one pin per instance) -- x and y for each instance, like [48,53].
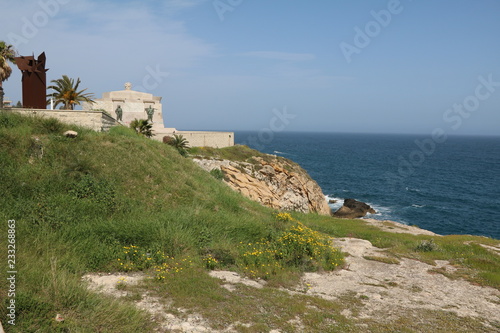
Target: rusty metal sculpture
[34,81]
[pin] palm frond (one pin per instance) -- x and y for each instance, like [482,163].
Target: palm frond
[66,93]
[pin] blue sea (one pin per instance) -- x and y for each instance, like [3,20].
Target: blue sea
[449,185]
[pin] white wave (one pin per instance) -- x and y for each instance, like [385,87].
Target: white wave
[280,152]
[382,212]
[335,205]
[417,206]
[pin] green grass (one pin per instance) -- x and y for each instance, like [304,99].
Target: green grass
[78,202]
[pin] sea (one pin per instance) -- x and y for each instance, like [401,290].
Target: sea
[449,185]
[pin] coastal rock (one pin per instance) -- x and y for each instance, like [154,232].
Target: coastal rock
[353,209]
[275,182]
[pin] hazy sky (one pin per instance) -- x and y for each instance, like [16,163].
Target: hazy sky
[295,65]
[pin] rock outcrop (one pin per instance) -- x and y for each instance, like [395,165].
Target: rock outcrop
[273,181]
[353,209]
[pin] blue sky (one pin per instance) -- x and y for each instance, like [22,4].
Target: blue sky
[332,66]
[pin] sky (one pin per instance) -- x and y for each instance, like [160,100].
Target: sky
[408,66]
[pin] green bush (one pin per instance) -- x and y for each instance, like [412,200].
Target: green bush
[297,247]
[427,246]
[217,174]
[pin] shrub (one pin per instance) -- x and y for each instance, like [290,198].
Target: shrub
[167,139]
[178,142]
[210,262]
[283,217]
[301,246]
[217,174]
[142,127]
[297,247]
[427,246]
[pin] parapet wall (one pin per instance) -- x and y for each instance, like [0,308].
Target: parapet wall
[208,139]
[95,120]
[201,138]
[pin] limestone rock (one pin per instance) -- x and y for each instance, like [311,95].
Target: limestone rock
[353,209]
[70,134]
[275,182]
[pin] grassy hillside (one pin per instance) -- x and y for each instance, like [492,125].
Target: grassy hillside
[105,202]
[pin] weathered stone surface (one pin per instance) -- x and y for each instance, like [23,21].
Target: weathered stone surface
[280,184]
[70,134]
[353,209]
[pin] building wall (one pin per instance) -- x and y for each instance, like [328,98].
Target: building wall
[133,104]
[95,120]
[131,110]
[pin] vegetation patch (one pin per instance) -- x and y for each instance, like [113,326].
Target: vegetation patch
[297,247]
[427,246]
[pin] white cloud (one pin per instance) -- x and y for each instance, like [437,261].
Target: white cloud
[105,43]
[176,5]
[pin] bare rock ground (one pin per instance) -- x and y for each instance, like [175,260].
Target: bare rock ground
[396,227]
[110,284]
[410,284]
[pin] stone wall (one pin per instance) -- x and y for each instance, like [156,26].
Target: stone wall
[96,120]
[208,139]
[199,138]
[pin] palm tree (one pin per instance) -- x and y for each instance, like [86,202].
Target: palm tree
[180,143]
[66,93]
[7,55]
[142,127]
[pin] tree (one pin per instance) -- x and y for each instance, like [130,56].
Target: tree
[66,93]
[7,55]
[180,143]
[142,127]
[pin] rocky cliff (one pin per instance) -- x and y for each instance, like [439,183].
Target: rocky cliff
[273,181]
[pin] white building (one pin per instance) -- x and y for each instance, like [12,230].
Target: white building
[134,104]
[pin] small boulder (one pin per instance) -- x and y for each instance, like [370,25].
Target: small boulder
[70,134]
[353,209]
